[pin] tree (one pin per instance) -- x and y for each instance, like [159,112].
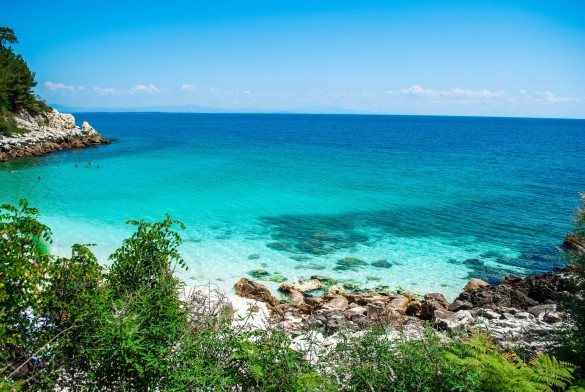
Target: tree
[7,35]
[16,84]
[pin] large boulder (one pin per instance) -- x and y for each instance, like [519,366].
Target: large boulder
[521,293]
[431,303]
[249,289]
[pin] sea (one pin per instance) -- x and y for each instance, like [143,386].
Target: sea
[402,203]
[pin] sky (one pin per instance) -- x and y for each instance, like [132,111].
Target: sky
[478,58]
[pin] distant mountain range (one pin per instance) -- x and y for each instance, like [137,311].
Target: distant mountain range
[203,109]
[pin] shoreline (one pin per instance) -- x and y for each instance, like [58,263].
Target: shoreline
[47,133]
[519,312]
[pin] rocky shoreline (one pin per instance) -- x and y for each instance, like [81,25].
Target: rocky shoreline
[46,133]
[518,313]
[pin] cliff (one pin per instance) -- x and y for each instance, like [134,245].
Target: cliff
[45,133]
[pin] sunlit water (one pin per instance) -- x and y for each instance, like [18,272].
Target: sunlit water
[424,203]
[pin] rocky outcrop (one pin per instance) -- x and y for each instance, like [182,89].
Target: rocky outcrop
[47,132]
[519,311]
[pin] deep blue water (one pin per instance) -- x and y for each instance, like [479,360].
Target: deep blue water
[440,199]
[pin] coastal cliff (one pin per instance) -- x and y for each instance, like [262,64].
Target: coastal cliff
[47,132]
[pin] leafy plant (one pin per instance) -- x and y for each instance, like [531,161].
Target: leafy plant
[23,268]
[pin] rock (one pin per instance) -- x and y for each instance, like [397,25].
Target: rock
[381,264]
[524,316]
[308,286]
[459,305]
[511,279]
[311,266]
[399,304]
[338,303]
[414,308]
[255,256]
[279,245]
[488,314]
[432,302]
[325,280]
[553,317]
[335,290]
[464,316]
[440,298]
[349,286]
[375,312]
[574,242]
[539,311]
[276,277]
[258,273]
[349,263]
[85,127]
[296,298]
[444,320]
[249,289]
[314,301]
[475,284]
[360,319]
[355,310]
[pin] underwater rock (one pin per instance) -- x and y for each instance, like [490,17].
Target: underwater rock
[255,256]
[311,266]
[349,263]
[279,245]
[300,258]
[325,280]
[258,273]
[381,264]
[276,277]
[265,275]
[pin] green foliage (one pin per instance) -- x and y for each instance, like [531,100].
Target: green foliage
[374,362]
[498,370]
[23,270]
[147,259]
[16,84]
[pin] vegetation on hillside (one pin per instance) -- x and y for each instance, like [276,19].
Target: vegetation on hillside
[16,84]
[68,324]
[573,343]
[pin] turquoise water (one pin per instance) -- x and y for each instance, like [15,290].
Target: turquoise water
[439,199]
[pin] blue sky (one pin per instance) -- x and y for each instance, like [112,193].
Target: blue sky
[497,58]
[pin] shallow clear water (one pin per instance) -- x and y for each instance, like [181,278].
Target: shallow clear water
[440,199]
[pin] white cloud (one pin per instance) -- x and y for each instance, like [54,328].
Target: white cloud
[105,91]
[60,86]
[453,94]
[549,97]
[143,89]
[188,87]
